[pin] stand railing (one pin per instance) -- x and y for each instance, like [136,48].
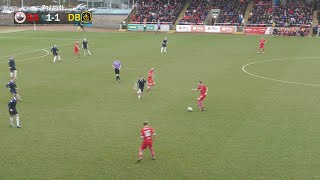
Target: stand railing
[279,25]
[227,24]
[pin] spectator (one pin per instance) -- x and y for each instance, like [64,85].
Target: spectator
[198,10]
[233,12]
[158,10]
[290,15]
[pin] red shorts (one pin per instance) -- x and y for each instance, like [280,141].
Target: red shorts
[146,144]
[150,82]
[202,97]
[261,46]
[76,50]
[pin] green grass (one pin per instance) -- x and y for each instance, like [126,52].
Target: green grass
[79,124]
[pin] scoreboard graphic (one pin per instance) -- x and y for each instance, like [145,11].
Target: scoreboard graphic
[84,17]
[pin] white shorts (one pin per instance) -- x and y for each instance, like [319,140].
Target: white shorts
[139,91]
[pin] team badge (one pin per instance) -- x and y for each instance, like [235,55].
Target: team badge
[86,17]
[20,17]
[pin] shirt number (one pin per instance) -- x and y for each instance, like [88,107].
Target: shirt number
[147,133]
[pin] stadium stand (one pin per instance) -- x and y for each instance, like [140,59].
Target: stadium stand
[317,5]
[157,10]
[198,10]
[317,8]
[233,12]
[298,14]
[37,2]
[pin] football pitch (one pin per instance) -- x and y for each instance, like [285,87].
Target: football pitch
[261,119]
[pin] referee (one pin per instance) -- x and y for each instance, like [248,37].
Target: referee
[117,66]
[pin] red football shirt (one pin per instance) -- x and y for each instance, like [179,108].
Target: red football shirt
[262,42]
[76,46]
[146,133]
[203,89]
[150,74]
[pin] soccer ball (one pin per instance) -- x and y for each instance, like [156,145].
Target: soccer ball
[189,109]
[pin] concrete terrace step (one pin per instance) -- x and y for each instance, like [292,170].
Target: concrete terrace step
[111,21]
[109,18]
[248,11]
[315,17]
[185,8]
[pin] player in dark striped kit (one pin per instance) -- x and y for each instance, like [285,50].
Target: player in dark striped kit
[13,112]
[164,45]
[85,47]
[55,53]
[80,26]
[12,67]
[11,85]
[141,82]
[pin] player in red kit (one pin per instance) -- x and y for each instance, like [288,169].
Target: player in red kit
[146,134]
[76,49]
[262,43]
[203,94]
[151,82]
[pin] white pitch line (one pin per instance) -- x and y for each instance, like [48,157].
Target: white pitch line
[278,80]
[16,37]
[47,53]
[26,52]
[11,31]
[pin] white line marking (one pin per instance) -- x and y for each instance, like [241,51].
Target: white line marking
[11,31]
[279,80]
[47,53]
[16,37]
[26,52]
